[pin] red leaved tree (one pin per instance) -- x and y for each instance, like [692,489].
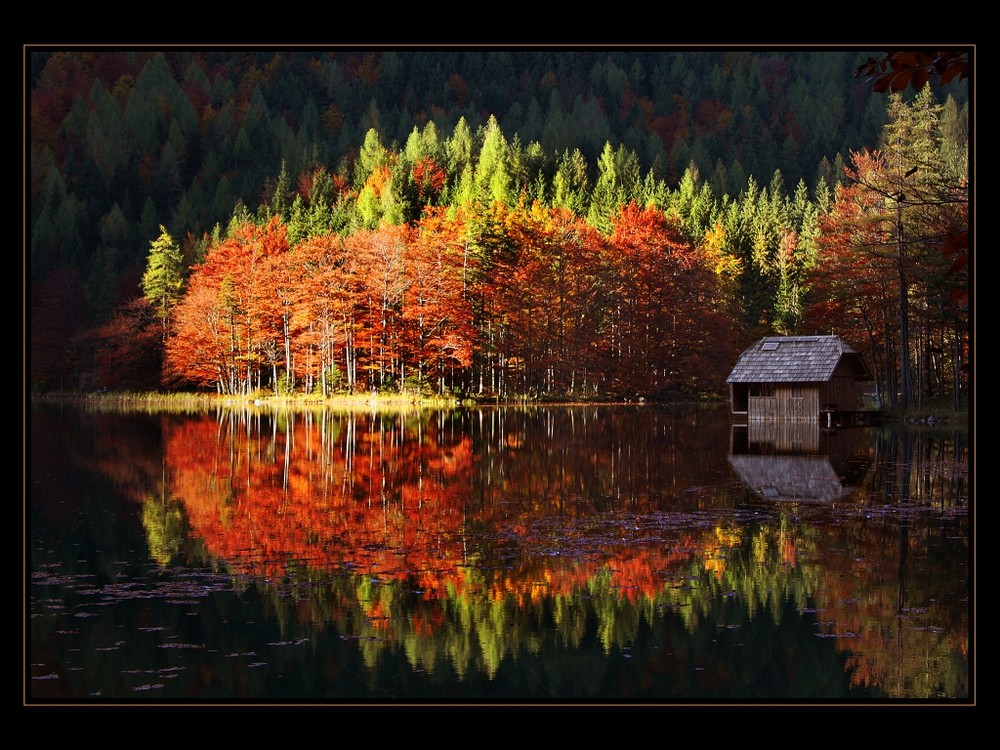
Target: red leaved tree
[854,283]
[657,316]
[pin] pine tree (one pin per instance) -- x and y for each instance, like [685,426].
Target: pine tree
[911,140]
[458,150]
[372,156]
[163,279]
[281,200]
[571,185]
[492,177]
[955,139]
[616,185]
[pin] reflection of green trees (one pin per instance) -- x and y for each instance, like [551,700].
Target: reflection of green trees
[764,579]
[780,567]
[775,568]
[476,625]
[617,618]
[514,599]
[166,526]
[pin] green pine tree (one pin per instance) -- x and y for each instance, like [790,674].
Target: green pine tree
[164,277]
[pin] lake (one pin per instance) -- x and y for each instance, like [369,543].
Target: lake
[576,554]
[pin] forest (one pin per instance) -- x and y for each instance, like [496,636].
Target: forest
[489,224]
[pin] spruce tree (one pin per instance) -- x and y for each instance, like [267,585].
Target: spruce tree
[164,277]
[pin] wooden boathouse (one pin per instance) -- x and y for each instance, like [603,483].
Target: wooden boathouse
[817,379]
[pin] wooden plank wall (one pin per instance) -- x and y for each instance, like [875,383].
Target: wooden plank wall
[842,393]
[783,405]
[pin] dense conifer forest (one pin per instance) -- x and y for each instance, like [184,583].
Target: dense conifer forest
[497,223]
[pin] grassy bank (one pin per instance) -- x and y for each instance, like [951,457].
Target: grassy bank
[933,412]
[191,402]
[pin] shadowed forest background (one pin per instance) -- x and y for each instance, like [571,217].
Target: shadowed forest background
[545,224]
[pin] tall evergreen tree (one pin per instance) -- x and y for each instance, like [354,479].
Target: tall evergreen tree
[372,156]
[571,184]
[280,204]
[616,185]
[458,149]
[911,143]
[493,172]
[164,276]
[955,139]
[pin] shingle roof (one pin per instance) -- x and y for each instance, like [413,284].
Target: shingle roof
[795,359]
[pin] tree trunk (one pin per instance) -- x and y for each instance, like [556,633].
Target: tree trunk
[906,389]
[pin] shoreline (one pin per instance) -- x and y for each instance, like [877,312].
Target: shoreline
[930,415]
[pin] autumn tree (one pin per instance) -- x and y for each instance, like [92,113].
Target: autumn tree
[437,310]
[658,307]
[553,301]
[126,351]
[918,69]
[328,315]
[852,284]
[494,256]
[380,257]
[225,327]
[201,353]
[379,180]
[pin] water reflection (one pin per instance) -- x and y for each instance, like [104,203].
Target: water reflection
[799,462]
[573,552]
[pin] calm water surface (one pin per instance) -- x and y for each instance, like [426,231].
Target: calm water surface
[577,554]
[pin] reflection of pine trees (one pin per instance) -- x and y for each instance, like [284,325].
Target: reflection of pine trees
[389,540]
[166,528]
[696,620]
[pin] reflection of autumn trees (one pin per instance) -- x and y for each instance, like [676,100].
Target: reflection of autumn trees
[326,493]
[581,460]
[883,597]
[465,538]
[893,619]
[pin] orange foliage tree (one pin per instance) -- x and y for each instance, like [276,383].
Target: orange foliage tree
[437,312]
[524,300]
[663,322]
[553,298]
[322,323]
[379,257]
[225,327]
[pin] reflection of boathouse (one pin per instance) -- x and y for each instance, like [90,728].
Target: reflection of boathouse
[782,436]
[802,479]
[799,461]
[798,378]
